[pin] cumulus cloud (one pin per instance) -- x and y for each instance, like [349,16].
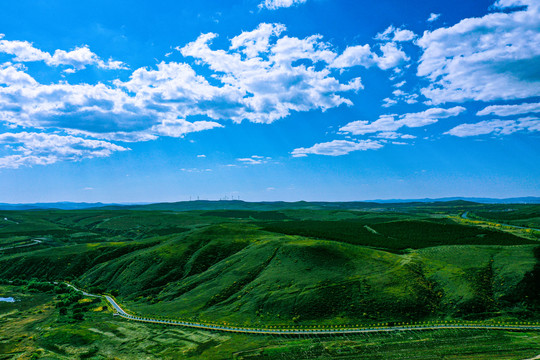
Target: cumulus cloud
[432,17]
[391,123]
[395,34]
[392,56]
[389,56]
[359,55]
[509,110]
[13,76]
[252,43]
[362,55]
[387,102]
[95,110]
[400,95]
[496,127]
[262,77]
[109,112]
[276,4]
[98,111]
[79,58]
[180,127]
[494,57]
[337,148]
[43,149]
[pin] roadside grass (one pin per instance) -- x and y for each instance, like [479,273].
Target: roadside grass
[40,331]
[444,344]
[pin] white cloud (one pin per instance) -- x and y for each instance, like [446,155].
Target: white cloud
[393,135]
[432,17]
[400,95]
[201,156]
[384,123]
[488,58]
[430,116]
[387,102]
[395,34]
[496,127]
[252,43]
[361,55]
[195,170]
[250,161]
[390,123]
[503,4]
[81,57]
[16,161]
[262,76]
[14,77]
[108,112]
[508,110]
[43,149]
[78,58]
[124,136]
[337,148]
[254,160]
[262,81]
[392,57]
[258,78]
[180,127]
[276,4]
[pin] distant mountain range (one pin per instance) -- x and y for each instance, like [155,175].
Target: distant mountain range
[514,200]
[57,205]
[263,205]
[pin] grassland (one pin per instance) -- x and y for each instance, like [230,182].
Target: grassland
[286,267]
[34,328]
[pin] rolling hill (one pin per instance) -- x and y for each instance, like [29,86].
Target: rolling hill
[284,267]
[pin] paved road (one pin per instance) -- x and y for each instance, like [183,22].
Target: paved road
[35,242]
[121,312]
[82,291]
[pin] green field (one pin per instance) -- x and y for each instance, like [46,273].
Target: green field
[291,266]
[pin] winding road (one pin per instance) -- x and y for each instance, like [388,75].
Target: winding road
[464,216]
[35,242]
[323,331]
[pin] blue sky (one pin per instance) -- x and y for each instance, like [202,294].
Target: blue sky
[137,101]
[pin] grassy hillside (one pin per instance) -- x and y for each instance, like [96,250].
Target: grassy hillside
[524,215]
[289,266]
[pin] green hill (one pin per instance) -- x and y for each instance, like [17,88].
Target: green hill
[283,267]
